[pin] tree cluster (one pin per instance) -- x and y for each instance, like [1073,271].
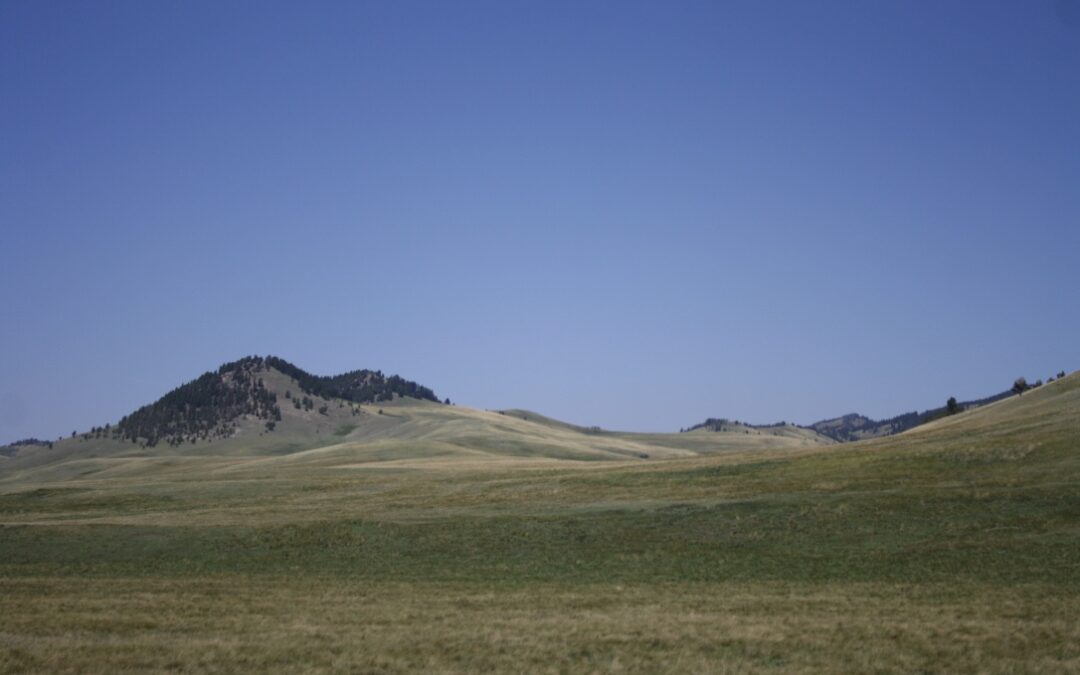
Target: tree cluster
[358,386]
[724,424]
[10,449]
[204,409]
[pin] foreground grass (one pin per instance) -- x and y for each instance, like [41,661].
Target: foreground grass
[955,549]
[228,623]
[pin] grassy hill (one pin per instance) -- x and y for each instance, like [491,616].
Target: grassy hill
[369,421]
[442,539]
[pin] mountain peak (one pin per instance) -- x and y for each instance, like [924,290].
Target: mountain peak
[210,406]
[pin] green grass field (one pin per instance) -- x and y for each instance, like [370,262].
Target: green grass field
[440,539]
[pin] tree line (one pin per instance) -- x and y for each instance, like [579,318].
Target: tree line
[358,386]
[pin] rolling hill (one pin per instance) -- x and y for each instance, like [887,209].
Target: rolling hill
[267,407]
[445,539]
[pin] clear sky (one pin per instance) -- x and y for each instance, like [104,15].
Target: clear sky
[635,215]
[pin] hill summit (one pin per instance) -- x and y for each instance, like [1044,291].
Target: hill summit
[208,407]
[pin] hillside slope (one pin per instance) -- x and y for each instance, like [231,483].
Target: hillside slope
[953,547]
[855,427]
[265,407]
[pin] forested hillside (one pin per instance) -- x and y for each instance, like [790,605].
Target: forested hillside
[209,407]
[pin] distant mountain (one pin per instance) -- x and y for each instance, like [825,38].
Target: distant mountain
[723,424]
[209,407]
[855,427]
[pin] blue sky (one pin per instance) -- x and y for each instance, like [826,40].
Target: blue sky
[635,215]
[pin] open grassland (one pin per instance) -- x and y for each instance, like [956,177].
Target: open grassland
[303,624]
[401,430]
[952,548]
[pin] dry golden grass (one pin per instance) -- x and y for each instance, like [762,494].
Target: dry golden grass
[953,549]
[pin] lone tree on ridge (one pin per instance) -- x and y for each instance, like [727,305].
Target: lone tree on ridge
[1020,386]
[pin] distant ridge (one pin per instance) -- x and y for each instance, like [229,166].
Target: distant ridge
[10,449]
[853,426]
[358,386]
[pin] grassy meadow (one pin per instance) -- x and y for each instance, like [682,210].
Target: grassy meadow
[480,542]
